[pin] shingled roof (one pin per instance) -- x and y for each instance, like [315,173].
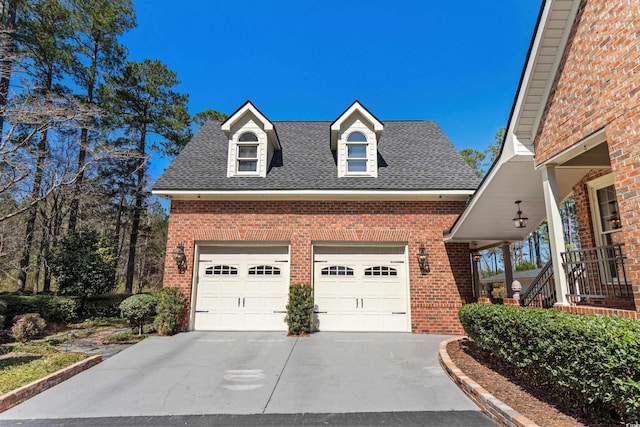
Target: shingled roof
[412,155]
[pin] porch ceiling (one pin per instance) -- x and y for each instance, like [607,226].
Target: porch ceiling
[488,219]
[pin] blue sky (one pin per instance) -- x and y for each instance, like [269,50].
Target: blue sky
[457,63]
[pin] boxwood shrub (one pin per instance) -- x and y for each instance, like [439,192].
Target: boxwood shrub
[592,361]
[299,309]
[107,305]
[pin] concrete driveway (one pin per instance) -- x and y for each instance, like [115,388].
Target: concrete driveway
[258,373]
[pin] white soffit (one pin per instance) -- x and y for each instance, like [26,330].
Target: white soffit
[488,219]
[548,45]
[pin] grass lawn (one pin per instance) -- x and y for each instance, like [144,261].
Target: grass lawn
[21,364]
[21,370]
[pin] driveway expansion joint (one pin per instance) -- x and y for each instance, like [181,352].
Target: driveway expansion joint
[488,403]
[284,365]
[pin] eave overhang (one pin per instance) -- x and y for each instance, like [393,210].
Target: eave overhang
[488,218]
[360,195]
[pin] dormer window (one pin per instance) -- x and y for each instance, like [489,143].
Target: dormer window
[357,153]
[354,138]
[247,153]
[252,142]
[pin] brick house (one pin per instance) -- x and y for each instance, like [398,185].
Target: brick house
[574,130]
[350,206]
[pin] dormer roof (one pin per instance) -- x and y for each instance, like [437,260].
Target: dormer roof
[248,109]
[355,110]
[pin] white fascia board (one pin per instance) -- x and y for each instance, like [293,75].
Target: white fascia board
[377,125]
[375,195]
[247,108]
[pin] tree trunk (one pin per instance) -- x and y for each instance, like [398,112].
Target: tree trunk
[43,252]
[32,213]
[84,143]
[137,210]
[536,244]
[7,54]
[143,261]
[56,225]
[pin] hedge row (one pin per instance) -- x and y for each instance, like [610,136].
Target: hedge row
[593,361]
[56,308]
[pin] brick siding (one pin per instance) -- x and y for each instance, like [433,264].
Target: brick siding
[598,87]
[435,297]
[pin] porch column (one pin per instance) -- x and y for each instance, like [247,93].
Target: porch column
[508,269]
[556,236]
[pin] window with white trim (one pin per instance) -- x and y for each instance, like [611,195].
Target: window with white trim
[337,270]
[221,270]
[264,270]
[380,270]
[357,153]
[247,153]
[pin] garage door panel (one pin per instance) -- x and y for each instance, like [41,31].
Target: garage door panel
[217,303]
[336,322]
[383,305]
[365,299]
[228,321]
[332,304]
[264,302]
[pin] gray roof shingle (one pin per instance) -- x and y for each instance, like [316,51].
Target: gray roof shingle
[412,155]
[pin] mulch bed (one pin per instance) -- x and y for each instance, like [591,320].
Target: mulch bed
[541,406]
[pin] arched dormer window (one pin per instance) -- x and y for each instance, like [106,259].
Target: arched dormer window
[354,138]
[252,142]
[356,153]
[248,137]
[247,152]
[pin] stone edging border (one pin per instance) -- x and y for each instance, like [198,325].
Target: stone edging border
[490,405]
[12,398]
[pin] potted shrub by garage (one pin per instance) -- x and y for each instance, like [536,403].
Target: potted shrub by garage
[299,309]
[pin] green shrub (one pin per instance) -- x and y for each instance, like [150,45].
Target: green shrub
[591,361]
[139,309]
[84,265]
[59,309]
[51,308]
[27,326]
[170,309]
[102,306]
[299,309]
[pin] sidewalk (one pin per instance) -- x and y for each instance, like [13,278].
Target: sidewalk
[93,344]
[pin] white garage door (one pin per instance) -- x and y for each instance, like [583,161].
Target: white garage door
[360,289]
[242,288]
